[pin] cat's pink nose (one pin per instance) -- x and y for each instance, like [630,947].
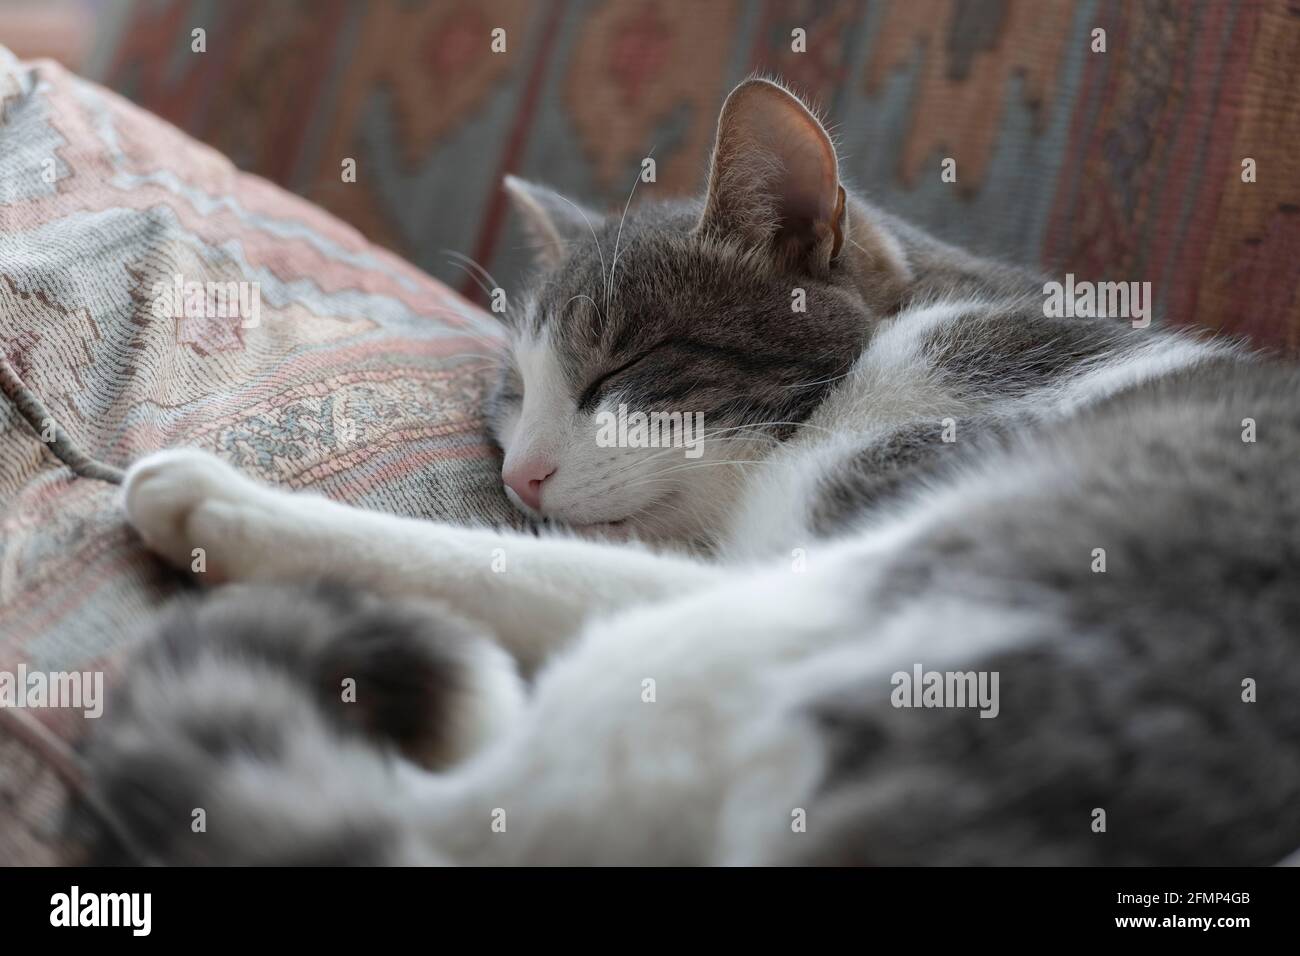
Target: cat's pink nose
[526,479]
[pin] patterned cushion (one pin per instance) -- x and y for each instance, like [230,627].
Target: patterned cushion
[348,371]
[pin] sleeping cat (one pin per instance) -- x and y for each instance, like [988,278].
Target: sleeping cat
[907,472]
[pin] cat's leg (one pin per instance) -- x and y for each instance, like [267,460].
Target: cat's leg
[534,593]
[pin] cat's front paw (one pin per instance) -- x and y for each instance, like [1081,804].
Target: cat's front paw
[185,504]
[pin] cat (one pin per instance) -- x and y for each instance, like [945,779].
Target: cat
[908,471]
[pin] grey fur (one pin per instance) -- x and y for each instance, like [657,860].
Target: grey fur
[235,694]
[882,471]
[1134,704]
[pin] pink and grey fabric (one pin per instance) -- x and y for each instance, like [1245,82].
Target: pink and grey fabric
[361,379]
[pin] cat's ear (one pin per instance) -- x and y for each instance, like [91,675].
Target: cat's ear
[551,221]
[775,177]
[775,183]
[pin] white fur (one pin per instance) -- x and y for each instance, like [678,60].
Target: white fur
[183,500]
[492,701]
[1162,356]
[544,426]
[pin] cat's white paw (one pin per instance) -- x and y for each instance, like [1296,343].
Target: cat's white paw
[186,505]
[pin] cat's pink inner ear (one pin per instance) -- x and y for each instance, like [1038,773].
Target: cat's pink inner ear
[775,176]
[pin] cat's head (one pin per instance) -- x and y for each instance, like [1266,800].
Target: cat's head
[735,313]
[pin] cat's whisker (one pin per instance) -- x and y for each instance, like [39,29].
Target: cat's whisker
[583,295]
[639,461]
[473,275]
[596,240]
[469,333]
[711,462]
[672,450]
[609,288]
[662,474]
[475,264]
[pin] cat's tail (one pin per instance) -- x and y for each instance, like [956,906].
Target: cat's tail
[284,725]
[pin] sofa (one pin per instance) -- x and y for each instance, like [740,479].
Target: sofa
[363,374]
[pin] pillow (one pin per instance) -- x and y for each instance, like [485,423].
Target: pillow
[153,296]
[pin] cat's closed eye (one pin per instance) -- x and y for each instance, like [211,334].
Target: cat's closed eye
[593,391]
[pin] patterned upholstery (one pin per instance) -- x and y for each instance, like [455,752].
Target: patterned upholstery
[1117,166]
[360,379]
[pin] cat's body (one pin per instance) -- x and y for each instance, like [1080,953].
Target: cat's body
[920,469]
